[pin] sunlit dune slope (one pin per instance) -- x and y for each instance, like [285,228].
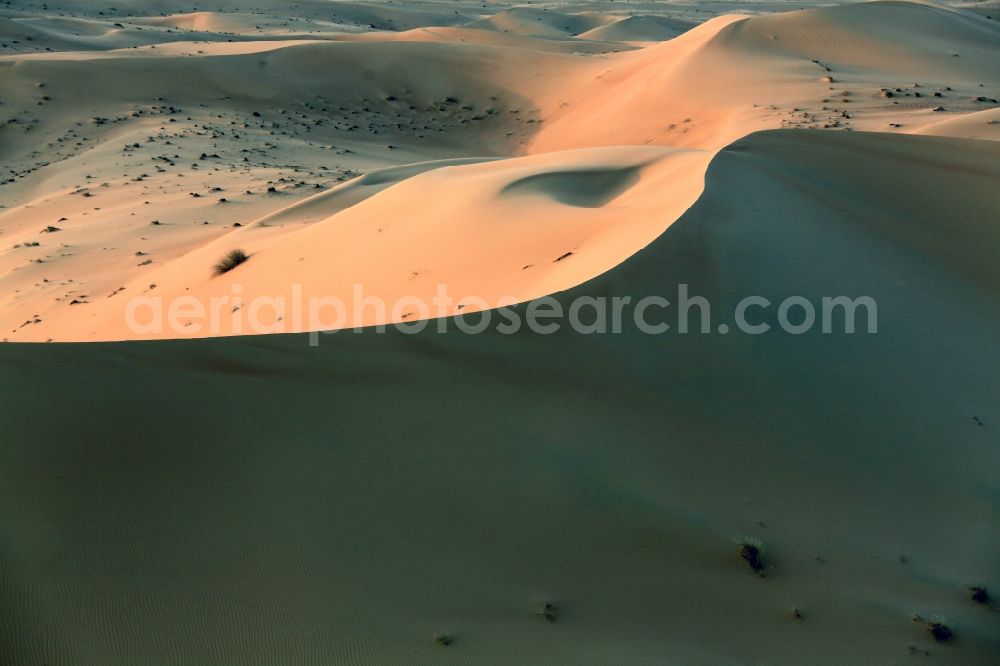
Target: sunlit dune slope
[503,231]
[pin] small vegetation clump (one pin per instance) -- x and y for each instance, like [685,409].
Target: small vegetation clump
[546,612]
[231,260]
[753,553]
[979,595]
[940,631]
[442,640]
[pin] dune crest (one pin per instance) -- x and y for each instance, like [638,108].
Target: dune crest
[492,233]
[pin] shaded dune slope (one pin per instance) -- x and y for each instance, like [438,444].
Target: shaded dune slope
[638,29]
[540,22]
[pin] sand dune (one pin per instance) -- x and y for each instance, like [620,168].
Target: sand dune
[821,68]
[467,35]
[322,120]
[283,537]
[496,232]
[304,13]
[976,125]
[541,22]
[638,29]
[185,493]
[199,22]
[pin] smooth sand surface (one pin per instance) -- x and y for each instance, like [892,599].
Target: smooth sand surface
[201,496]
[255,500]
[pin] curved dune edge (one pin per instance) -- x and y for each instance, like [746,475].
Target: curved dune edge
[365,494]
[983,125]
[638,29]
[492,233]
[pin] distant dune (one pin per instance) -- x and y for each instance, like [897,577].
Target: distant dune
[638,29]
[541,22]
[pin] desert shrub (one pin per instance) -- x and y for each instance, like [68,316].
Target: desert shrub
[752,551]
[936,627]
[229,261]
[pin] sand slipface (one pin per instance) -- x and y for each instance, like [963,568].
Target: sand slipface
[248,480]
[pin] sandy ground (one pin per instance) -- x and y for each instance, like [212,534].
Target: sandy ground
[257,500]
[131,162]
